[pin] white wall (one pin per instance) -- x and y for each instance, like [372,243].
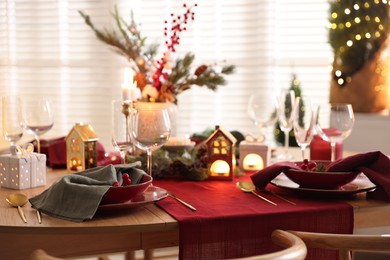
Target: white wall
[371,132]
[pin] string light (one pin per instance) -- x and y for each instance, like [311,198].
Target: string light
[357,20]
[355,29]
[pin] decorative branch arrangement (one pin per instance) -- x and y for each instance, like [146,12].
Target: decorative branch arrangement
[158,80]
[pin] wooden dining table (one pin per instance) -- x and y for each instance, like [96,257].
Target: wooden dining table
[141,228]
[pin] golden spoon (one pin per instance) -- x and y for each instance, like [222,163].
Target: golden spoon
[250,186]
[18,200]
[247,187]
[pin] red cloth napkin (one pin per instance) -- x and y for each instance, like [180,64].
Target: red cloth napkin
[264,176]
[230,223]
[375,165]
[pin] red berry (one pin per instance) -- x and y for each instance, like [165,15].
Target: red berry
[126,182]
[126,179]
[304,167]
[312,165]
[305,161]
[115,184]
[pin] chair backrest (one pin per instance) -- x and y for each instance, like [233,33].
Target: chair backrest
[294,248]
[344,243]
[40,254]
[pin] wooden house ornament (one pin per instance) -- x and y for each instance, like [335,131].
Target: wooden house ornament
[221,154]
[81,148]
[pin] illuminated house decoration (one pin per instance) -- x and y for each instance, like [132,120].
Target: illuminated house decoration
[81,145]
[254,156]
[220,149]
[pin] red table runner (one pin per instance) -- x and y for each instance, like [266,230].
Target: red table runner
[229,223]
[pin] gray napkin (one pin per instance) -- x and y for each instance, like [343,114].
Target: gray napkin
[76,197]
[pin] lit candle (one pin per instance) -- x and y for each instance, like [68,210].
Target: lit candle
[220,168]
[129,86]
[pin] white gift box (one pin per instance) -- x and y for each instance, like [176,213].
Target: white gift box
[22,171]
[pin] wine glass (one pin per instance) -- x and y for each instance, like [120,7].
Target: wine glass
[121,136]
[38,118]
[303,123]
[12,119]
[285,118]
[261,114]
[334,123]
[151,129]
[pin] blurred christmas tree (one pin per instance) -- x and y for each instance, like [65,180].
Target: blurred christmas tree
[357,30]
[279,134]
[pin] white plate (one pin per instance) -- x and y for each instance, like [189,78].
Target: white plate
[360,184]
[150,195]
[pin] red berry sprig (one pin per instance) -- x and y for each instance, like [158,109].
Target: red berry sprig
[178,24]
[312,166]
[126,179]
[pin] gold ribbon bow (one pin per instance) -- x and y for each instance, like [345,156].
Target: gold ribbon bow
[27,148]
[252,139]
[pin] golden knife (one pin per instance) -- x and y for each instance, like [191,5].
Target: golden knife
[182,201]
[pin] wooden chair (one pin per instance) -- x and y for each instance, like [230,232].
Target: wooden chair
[295,248]
[345,243]
[40,254]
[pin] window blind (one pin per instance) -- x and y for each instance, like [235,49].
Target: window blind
[47,50]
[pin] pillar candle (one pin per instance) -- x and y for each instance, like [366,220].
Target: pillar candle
[129,87]
[321,150]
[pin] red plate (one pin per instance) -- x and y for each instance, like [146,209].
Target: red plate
[150,195]
[320,180]
[360,184]
[126,193]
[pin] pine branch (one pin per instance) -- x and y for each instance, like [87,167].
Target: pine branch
[123,45]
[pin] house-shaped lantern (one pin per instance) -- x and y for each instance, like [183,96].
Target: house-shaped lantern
[221,154]
[81,145]
[254,156]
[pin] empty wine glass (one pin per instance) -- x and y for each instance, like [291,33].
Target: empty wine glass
[121,136]
[334,123]
[261,114]
[303,123]
[38,118]
[12,119]
[285,118]
[151,129]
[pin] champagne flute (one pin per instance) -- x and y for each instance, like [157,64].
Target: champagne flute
[121,137]
[12,119]
[261,115]
[151,129]
[38,118]
[285,119]
[303,123]
[334,123]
